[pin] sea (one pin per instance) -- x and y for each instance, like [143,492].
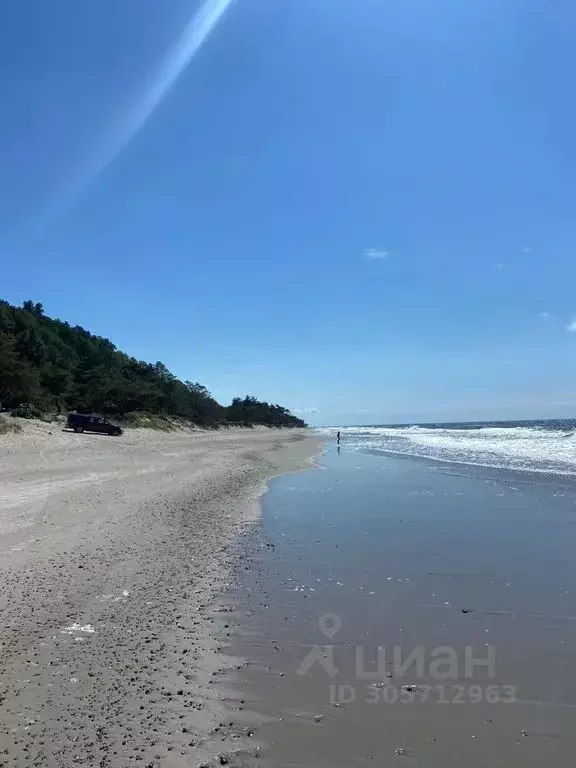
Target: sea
[533,446]
[405,545]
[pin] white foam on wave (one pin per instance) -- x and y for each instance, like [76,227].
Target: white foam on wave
[512,447]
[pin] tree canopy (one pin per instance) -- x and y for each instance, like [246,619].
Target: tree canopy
[55,366]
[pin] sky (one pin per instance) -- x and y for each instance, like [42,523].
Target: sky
[361,209]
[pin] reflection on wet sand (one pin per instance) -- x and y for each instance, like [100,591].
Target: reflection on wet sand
[394,609]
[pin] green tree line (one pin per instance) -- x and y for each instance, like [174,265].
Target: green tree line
[55,366]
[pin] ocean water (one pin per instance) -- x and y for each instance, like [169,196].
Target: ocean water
[533,446]
[374,552]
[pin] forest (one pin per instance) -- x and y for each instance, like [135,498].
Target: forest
[49,366]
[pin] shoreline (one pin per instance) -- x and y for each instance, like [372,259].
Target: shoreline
[113,553]
[379,560]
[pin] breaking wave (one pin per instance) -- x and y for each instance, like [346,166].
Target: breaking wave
[529,446]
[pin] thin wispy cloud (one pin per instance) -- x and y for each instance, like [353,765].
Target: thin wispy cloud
[572,325]
[376,253]
[177,60]
[305,410]
[527,249]
[544,315]
[498,267]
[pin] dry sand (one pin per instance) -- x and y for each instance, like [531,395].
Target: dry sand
[111,552]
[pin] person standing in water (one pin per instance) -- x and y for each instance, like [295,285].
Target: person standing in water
[338,437]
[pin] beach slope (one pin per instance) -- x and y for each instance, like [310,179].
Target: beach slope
[111,550]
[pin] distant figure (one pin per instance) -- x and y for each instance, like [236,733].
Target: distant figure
[338,437]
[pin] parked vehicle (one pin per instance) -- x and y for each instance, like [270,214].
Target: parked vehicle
[82,422]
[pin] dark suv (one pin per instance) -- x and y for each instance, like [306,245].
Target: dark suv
[81,422]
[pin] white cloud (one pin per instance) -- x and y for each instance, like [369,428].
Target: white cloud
[544,315]
[376,253]
[498,267]
[305,410]
[572,326]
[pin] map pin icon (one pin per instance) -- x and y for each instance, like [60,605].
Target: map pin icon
[329,624]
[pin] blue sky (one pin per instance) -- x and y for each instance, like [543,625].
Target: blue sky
[362,209]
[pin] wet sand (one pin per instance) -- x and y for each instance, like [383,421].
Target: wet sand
[428,558]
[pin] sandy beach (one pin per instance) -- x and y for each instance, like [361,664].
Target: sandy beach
[112,550]
[157,611]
